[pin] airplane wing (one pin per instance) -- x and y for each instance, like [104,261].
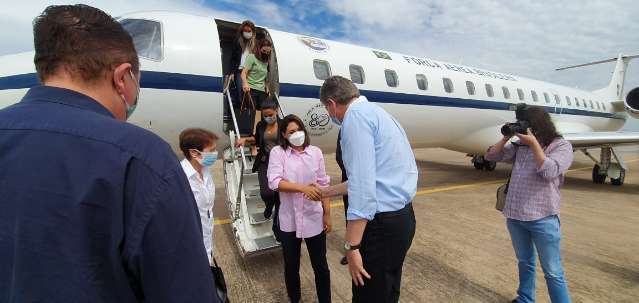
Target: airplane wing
[598,139]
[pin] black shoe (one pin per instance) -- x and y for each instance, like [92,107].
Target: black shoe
[343,261]
[268,212]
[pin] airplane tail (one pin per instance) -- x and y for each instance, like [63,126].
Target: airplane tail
[614,90]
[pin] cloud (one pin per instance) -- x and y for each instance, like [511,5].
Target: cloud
[16,22]
[526,38]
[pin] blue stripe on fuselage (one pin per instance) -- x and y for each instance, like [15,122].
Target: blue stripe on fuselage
[149,79]
[188,82]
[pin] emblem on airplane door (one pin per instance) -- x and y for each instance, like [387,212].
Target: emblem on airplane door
[313,43]
[317,120]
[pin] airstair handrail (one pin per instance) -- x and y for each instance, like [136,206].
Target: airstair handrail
[238,200]
[277,101]
[237,129]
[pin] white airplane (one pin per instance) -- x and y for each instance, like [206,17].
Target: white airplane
[439,104]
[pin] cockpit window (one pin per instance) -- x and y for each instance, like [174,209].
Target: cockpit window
[147,37]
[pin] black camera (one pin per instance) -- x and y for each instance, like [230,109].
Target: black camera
[519,127]
[522,124]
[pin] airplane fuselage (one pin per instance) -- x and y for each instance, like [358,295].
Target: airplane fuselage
[439,104]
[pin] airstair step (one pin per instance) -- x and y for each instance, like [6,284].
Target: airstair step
[266,243]
[252,190]
[255,208]
[258,218]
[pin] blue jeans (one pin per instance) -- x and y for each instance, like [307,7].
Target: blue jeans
[543,234]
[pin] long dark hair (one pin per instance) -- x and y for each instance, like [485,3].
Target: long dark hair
[542,126]
[285,122]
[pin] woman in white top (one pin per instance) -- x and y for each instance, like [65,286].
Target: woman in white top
[243,45]
[198,146]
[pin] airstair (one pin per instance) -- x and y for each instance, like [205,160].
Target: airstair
[252,231]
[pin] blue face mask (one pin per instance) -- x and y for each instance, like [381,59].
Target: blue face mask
[334,119]
[208,158]
[131,108]
[269,120]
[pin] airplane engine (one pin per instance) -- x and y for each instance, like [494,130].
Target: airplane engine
[632,103]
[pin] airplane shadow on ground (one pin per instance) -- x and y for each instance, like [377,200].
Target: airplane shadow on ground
[623,273]
[586,185]
[444,274]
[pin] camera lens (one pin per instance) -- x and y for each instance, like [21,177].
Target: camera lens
[507,130]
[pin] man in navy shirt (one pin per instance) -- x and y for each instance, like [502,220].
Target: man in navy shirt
[92,209]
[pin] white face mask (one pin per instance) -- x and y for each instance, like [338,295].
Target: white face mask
[297,138]
[247,35]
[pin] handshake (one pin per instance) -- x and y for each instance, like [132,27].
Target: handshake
[314,192]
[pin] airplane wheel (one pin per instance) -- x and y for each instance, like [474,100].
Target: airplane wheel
[596,177]
[620,180]
[478,165]
[489,165]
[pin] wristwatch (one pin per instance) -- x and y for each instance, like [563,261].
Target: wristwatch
[351,246]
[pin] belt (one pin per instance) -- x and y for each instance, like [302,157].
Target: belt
[407,209]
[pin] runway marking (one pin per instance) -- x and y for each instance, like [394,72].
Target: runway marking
[340,203]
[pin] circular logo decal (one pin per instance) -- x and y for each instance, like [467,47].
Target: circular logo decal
[317,121]
[314,43]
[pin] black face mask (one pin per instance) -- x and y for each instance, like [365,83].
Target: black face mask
[265,55]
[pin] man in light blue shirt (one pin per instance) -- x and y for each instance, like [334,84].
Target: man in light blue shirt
[382,182]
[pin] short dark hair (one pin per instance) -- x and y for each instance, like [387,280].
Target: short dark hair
[84,40]
[285,122]
[195,138]
[338,88]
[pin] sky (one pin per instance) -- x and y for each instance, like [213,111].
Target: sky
[525,38]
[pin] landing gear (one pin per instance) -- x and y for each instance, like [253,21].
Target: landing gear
[597,177]
[605,168]
[619,181]
[481,163]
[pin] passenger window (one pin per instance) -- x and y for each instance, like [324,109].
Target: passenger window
[546,98]
[147,37]
[583,101]
[604,106]
[557,100]
[592,106]
[576,102]
[448,85]
[391,78]
[568,101]
[422,82]
[534,95]
[357,74]
[489,90]
[322,69]
[598,105]
[520,94]
[470,86]
[506,92]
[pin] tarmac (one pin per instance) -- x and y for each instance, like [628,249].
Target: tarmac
[462,251]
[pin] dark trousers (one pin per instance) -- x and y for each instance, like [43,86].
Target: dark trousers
[245,118]
[291,247]
[269,196]
[386,241]
[345,200]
